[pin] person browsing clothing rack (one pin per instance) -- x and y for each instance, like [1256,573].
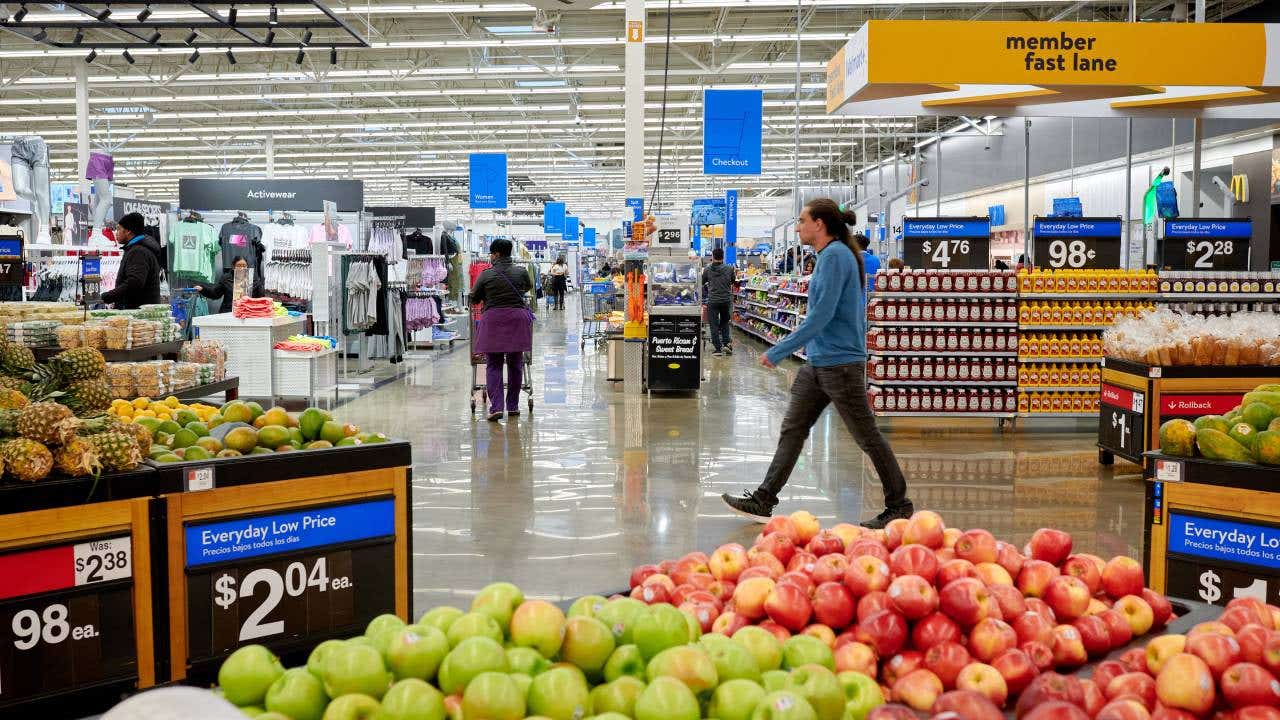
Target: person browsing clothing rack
[834,337]
[505,331]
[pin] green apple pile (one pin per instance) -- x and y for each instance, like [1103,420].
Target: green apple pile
[509,658]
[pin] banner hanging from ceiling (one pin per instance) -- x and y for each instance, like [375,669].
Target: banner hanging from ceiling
[732,131]
[487,184]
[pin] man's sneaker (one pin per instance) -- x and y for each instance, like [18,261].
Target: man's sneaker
[728,350]
[749,506]
[878,522]
[717,353]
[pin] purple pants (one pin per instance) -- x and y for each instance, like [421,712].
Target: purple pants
[515,379]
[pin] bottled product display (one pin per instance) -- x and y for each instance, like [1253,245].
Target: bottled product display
[1178,282]
[937,339]
[1033,347]
[940,369]
[962,310]
[1167,338]
[1041,403]
[1095,314]
[1040,281]
[945,281]
[1071,375]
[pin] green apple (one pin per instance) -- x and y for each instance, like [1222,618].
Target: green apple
[820,687]
[298,694]
[441,618]
[774,680]
[763,644]
[618,696]
[587,605]
[807,650]
[783,705]
[560,693]
[611,716]
[493,696]
[416,651]
[365,641]
[732,660]
[526,660]
[693,626]
[713,638]
[470,658]
[625,660]
[540,625]
[380,628]
[354,668]
[620,615]
[352,707]
[861,694]
[499,601]
[246,675]
[271,716]
[253,711]
[735,700]
[315,661]
[658,628]
[689,664]
[523,682]
[473,625]
[412,699]
[588,643]
[667,698]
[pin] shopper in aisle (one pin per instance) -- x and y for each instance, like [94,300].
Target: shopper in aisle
[559,281]
[224,290]
[717,288]
[834,338]
[870,263]
[138,280]
[505,331]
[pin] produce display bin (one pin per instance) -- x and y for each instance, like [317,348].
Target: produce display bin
[249,343]
[1137,399]
[1212,529]
[285,549]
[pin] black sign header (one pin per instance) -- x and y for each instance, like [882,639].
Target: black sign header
[262,195]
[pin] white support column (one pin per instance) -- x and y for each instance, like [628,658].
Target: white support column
[636,28]
[82,128]
[270,148]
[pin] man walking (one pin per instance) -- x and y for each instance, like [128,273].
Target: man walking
[717,283]
[833,335]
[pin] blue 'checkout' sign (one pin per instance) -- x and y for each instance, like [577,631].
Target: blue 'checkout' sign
[1069,228]
[944,228]
[217,542]
[553,218]
[1205,228]
[732,132]
[1231,541]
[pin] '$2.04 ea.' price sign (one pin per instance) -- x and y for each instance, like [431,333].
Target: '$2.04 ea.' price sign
[296,580]
[66,618]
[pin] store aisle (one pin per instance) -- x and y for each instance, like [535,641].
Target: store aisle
[595,482]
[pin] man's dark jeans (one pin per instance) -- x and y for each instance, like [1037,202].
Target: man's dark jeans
[718,315]
[843,386]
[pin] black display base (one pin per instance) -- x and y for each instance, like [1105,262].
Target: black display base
[54,492]
[1190,371]
[1243,476]
[230,388]
[76,704]
[250,469]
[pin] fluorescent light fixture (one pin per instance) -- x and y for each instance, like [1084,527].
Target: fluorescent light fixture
[144,14]
[541,83]
[127,57]
[509,29]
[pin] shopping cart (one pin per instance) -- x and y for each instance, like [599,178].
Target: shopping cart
[479,388]
[598,300]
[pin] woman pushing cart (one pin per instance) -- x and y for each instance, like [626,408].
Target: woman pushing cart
[502,335]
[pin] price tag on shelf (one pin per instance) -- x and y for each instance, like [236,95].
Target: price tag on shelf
[1206,244]
[1169,470]
[200,478]
[1077,243]
[946,243]
[1122,421]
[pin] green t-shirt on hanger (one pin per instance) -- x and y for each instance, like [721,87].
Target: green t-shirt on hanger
[194,246]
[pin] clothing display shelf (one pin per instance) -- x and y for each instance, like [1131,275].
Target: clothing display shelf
[306,374]
[249,343]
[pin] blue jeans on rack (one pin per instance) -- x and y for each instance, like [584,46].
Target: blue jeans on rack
[493,379]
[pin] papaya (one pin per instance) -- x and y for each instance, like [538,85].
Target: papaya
[1178,437]
[1274,425]
[1268,447]
[1270,397]
[1217,445]
[1267,388]
[1216,422]
[1259,415]
[1246,435]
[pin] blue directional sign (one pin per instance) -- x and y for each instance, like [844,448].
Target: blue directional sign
[637,208]
[570,229]
[731,226]
[588,237]
[732,131]
[488,181]
[553,218]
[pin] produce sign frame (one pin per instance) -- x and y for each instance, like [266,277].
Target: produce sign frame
[76,627]
[1077,242]
[947,243]
[298,548]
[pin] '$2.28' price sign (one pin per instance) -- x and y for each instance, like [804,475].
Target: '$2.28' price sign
[268,587]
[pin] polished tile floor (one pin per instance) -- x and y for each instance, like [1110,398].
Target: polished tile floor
[567,500]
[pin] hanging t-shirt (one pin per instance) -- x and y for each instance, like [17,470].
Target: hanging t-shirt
[344,235]
[277,236]
[194,245]
[240,239]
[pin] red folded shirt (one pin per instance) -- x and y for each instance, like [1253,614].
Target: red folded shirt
[253,308]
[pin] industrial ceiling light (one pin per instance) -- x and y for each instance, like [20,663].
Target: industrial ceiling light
[106,13]
[273,15]
[271,36]
[40,36]
[144,14]
[79,36]
[93,53]
[333,56]
[302,54]
[155,38]
[306,37]
[194,56]
[191,37]
[128,58]
[231,58]
[22,12]
[231,15]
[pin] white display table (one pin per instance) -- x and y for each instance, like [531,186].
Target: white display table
[249,344]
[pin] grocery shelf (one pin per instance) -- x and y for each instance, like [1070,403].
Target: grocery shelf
[1058,388]
[753,316]
[940,324]
[789,311]
[143,352]
[1062,328]
[748,330]
[230,388]
[931,413]
[794,293]
[946,353]
[1058,415]
[1085,296]
[762,304]
[945,383]
[1219,297]
[931,295]
[1066,359]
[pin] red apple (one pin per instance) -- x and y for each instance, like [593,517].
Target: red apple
[867,574]
[914,560]
[703,581]
[919,689]
[1016,668]
[1122,576]
[1252,639]
[1123,709]
[1211,627]
[954,570]
[946,660]
[1049,545]
[848,533]
[757,557]
[779,545]
[1056,710]
[681,594]
[1093,699]
[833,604]
[1219,652]
[1245,684]
[1137,612]
[934,630]
[944,555]
[1009,558]
[1011,602]
[761,571]
[1041,654]
[1032,626]
[660,579]
[802,561]
[640,573]
[728,623]
[821,632]
[1086,571]
[993,574]
[687,567]
[912,595]
[867,546]
[900,665]
[1041,608]
[1258,712]
[728,561]
[666,567]
[1107,670]
[976,546]
[1135,659]
[885,631]
[950,537]
[806,525]
[1135,684]
[892,711]
[1049,688]
[990,637]
[964,601]
[1117,627]
[750,595]
[1068,648]
[1161,648]
[965,705]
[893,533]
[1241,615]
[723,589]
[780,524]
[1068,597]
[651,594]
[924,528]
[776,630]
[984,679]
[873,603]
[1255,605]
[800,580]
[825,542]
[1163,713]
[856,656]
[1093,635]
[830,568]
[788,606]
[704,613]
[1035,576]
[1185,683]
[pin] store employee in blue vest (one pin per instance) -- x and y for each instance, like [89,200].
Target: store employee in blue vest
[834,338]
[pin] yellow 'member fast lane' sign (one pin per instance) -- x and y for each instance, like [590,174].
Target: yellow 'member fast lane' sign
[913,57]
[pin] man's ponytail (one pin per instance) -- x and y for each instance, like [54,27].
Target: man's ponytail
[837,221]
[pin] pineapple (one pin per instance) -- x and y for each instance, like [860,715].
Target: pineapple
[78,457]
[142,435]
[118,449]
[11,399]
[26,459]
[88,397]
[13,382]
[67,429]
[16,359]
[9,423]
[39,421]
[78,364]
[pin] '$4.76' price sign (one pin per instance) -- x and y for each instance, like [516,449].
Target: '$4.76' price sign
[268,587]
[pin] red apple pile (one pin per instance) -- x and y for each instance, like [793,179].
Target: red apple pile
[936,613]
